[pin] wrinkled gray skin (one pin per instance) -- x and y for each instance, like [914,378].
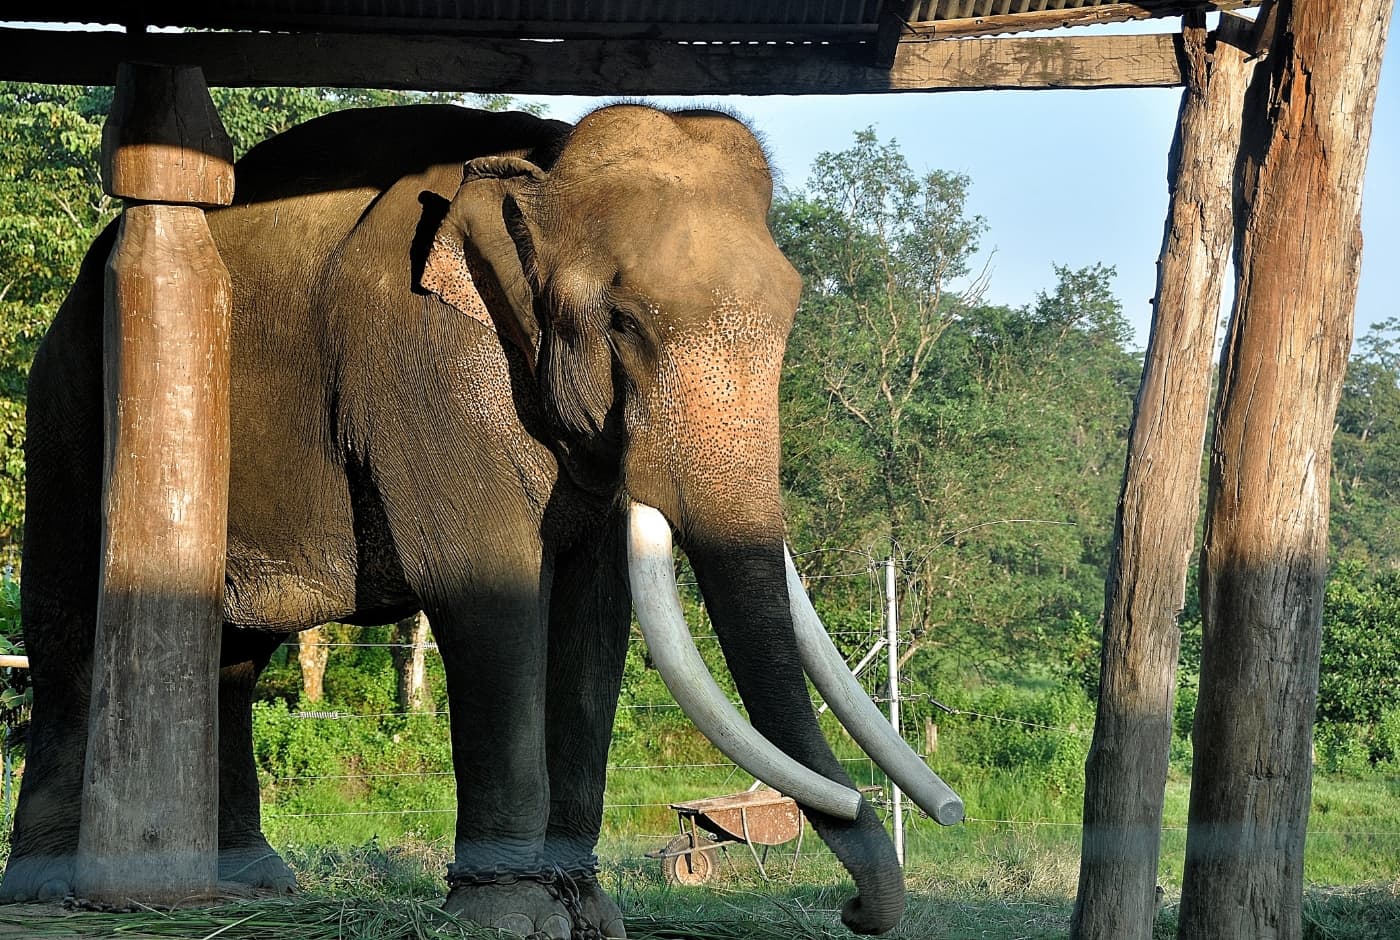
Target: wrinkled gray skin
[397,447]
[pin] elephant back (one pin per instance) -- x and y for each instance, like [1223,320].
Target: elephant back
[373,148]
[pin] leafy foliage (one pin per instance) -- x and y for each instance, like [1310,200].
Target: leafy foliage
[15,693]
[51,205]
[1360,679]
[980,444]
[1366,453]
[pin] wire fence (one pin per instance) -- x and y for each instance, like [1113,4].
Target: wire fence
[647,790]
[689,771]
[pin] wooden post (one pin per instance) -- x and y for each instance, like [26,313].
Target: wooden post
[1126,773]
[1264,564]
[150,796]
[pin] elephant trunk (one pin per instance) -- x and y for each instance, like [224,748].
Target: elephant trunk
[745,589]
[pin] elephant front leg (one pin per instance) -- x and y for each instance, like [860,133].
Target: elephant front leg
[492,643]
[589,621]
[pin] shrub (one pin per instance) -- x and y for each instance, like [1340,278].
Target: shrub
[15,693]
[1388,736]
[1360,677]
[1343,749]
[1043,733]
[288,745]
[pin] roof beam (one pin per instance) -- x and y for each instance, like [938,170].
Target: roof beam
[597,67]
[1000,24]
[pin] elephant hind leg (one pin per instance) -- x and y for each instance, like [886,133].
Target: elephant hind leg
[47,819]
[45,838]
[245,857]
[62,552]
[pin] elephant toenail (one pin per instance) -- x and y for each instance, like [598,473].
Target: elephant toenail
[55,890]
[556,927]
[515,923]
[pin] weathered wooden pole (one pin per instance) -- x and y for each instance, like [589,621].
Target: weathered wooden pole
[1264,564]
[1126,773]
[150,794]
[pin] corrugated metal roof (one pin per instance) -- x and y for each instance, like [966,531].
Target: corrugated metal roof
[719,19]
[463,14]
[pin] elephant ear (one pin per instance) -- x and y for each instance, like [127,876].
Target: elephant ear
[476,260]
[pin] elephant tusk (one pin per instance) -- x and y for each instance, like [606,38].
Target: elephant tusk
[859,715]
[653,579]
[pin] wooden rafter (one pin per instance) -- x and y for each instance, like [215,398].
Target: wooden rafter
[599,67]
[1022,16]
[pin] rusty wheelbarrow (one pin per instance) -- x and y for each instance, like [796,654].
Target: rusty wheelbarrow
[753,818]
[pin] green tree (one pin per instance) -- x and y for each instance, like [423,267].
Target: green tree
[51,205]
[880,248]
[1366,453]
[981,444]
[1031,424]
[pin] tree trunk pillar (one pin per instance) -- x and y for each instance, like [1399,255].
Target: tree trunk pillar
[1264,564]
[150,795]
[1126,773]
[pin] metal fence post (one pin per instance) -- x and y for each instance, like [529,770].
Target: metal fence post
[892,645]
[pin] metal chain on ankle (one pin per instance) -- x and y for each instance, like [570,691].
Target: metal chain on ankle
[498,875]
[584,869]
[74,903]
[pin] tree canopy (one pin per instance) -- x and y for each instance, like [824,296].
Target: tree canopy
[1366,453]
[978,444]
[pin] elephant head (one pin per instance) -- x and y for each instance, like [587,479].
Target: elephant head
[635,268]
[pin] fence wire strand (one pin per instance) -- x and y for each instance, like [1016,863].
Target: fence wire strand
[870,572]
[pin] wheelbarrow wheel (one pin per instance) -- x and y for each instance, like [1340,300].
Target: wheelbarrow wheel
[694,867]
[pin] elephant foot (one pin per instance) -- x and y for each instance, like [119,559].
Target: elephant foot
[527,908]
[50,877]
[37,878]
[253,864]
[598,909]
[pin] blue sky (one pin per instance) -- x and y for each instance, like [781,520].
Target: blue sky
[1062,177]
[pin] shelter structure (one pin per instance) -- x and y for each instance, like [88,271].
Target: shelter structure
[1267,163]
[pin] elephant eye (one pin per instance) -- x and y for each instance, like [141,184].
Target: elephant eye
[629,333]
[626,323]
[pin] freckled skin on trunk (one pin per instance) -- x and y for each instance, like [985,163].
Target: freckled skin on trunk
[707,456]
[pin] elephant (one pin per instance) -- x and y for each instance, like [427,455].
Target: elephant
[484,365]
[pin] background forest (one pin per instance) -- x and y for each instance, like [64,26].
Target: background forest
[979,446]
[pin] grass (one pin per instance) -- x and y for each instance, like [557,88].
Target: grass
[371,853]
[374,892]
[1009,872]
